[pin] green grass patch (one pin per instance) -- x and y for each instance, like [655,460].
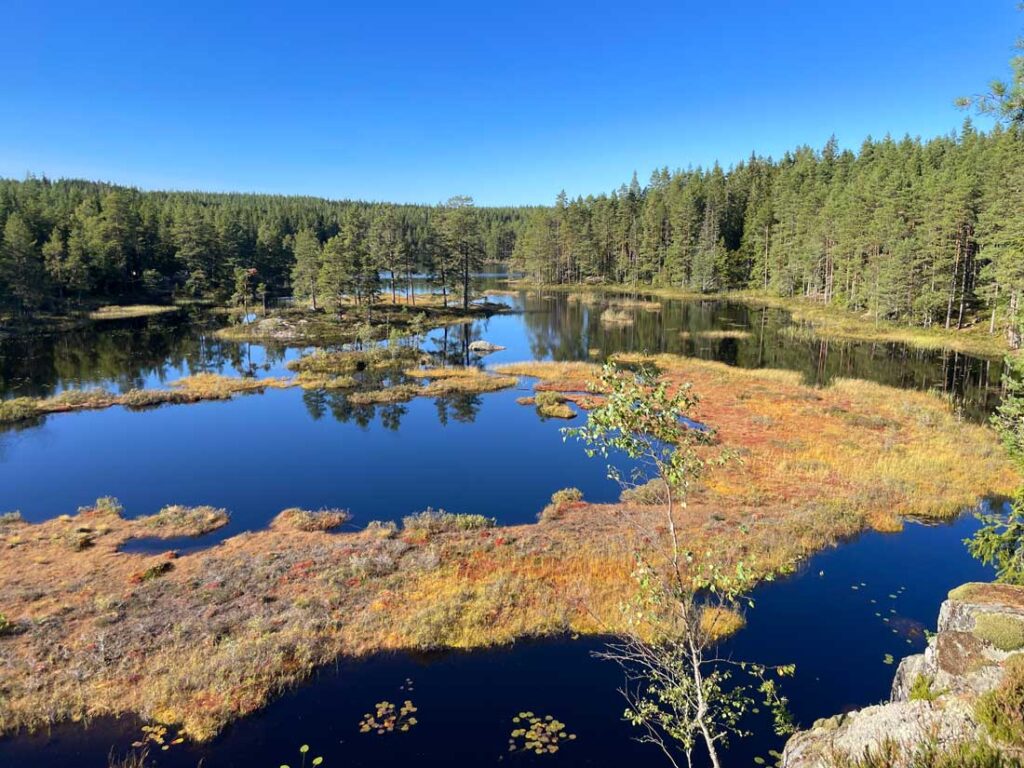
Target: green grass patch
[1004,632]
[115,312]
[921,689]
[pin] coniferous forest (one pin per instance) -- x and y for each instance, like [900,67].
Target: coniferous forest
[927,233]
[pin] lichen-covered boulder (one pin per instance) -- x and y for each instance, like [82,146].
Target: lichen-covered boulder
[933,693]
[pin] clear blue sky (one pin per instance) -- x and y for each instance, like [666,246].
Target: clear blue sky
[508,102]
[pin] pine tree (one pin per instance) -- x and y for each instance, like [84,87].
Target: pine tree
[21,266]
[306,253]
[387,247]
[460,235]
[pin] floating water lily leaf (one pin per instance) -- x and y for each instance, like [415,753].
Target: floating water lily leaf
[541,735]
[388,718]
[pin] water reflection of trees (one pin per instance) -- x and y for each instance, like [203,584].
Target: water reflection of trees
[122,355]
[319,403]
[564,327]
[444,347]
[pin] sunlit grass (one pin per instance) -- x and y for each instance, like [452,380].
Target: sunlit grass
[826,321]
[231,626]
[114,312]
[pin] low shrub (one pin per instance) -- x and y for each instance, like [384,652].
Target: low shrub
[188,521]
[6,627]
[431,521]
[921,689]
[153,572]
[104,505]
[306,520]
[973,754]
[80,538]
[559,501]
[10,518]
[382,529]
[650,493]
[1001,710]
[19,409]
[1004,632]
[368,565]
[553,405]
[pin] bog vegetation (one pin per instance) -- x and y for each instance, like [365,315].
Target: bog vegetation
[829,462]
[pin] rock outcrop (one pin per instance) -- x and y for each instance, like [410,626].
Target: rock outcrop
[934,693]
[484,347]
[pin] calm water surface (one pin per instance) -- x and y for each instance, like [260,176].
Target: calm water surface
[256,455]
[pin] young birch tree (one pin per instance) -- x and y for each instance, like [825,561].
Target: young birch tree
[679,691]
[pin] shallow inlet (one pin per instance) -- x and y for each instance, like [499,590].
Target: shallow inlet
[823,619]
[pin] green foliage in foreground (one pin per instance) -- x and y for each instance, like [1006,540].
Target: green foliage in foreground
[680,693]
[1000,540]
[1001,710]
[921,689]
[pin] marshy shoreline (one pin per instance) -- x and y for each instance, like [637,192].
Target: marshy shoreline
[826,322]
[204,638]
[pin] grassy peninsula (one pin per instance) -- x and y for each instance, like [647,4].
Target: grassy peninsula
[201,639]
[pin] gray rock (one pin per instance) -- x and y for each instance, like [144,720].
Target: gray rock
[484,347]
[959,667]
[906,673]
[903,724]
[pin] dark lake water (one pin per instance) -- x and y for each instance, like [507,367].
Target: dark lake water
[256,455]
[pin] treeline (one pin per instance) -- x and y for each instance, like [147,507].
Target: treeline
[70,242]
[926,233]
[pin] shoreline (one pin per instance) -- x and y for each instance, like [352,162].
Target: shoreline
[292,598]
[827,322]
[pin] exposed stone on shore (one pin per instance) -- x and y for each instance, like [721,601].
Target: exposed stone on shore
[484,347]
[933,693]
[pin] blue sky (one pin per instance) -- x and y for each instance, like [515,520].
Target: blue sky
[508,102]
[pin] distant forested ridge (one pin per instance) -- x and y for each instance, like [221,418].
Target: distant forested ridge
[922,232]
[70,242]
